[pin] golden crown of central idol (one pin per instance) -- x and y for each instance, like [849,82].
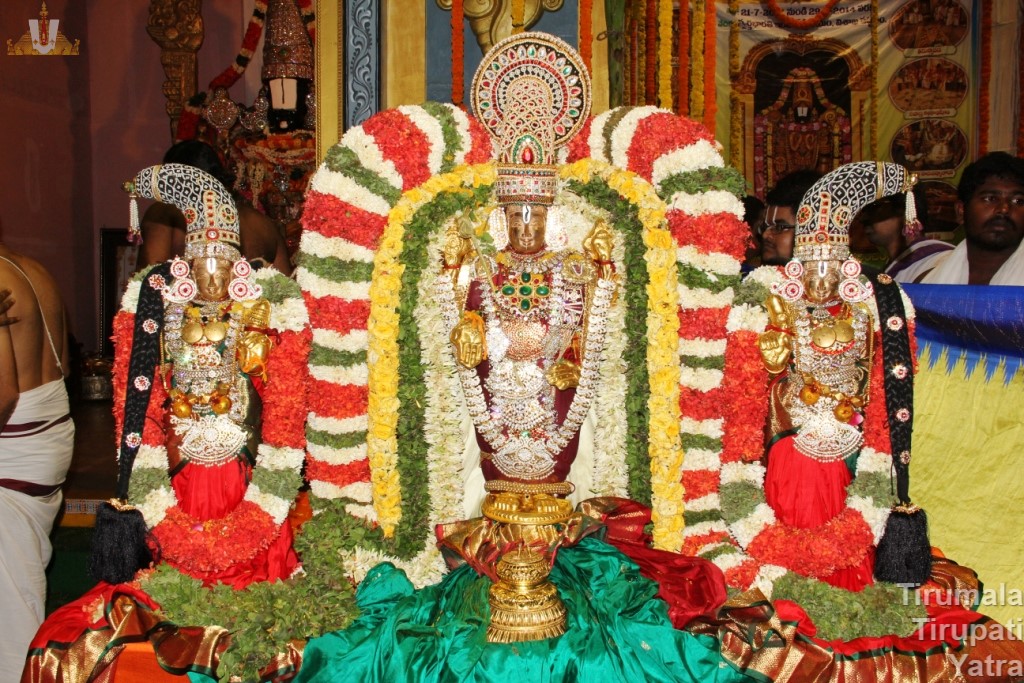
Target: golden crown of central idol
[532,93]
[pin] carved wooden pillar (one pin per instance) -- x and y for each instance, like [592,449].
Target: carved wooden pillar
[177,27]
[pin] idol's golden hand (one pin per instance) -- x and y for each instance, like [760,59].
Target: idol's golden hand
[254,345]
[469,340]
[776,343]
[564,375]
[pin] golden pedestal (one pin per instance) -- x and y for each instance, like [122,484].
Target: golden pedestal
[524,603]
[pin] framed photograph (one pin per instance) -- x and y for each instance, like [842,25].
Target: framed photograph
[117,264]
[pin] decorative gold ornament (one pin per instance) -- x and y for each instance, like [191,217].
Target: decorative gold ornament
[524,603]
[526,508]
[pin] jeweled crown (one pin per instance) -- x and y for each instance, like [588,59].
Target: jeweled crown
[827,209]
[532,93]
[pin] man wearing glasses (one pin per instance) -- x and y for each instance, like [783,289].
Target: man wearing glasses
[776,231]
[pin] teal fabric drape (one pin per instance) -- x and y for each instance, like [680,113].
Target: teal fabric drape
[618,631]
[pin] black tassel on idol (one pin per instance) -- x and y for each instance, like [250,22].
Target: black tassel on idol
[121,543]
[904,555]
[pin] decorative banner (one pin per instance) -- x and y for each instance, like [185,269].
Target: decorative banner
[968,428]
[803,97]
[928,98]
[43,38]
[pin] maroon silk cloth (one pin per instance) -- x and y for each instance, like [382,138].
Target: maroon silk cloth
[693,587]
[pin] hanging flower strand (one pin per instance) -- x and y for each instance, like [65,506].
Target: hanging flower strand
[586,32]
[664,53]
[683,60]
[458,49]
[710,65]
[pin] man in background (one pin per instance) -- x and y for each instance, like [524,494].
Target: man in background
[906,249]
[36,442]
[780,216]
[163,225]
[991,207]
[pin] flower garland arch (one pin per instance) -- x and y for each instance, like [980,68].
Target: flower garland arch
[648,160]
[208,549]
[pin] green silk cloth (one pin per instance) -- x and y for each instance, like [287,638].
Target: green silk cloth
[617,631]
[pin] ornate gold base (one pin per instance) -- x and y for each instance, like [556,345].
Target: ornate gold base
[524,604]
[526,508]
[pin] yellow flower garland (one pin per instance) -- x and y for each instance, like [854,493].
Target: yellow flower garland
[664,447]
[665,53]
[697,51]
[382,328]
[662,339]
[735,102]
[874,81]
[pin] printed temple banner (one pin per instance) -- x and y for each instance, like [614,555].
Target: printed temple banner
[968,432]
[796,89]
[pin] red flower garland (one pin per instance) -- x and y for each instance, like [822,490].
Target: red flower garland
[586,31]
[214,546]
[722,233]
[693,545]
[284,407]
[340,315]
[401,141]
[329,216]
[337,401]
[876,415]
[339,475]
[706,323]
[683,67]
[458,49]
[710,59]
[801,24]
[700,483]
[659,134]
[841,542]
[986,76]
[745,382]
[651,48]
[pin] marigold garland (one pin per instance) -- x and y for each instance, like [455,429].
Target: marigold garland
[683,60]
[586,32]
[800,24]
[665,53]
[735,101]
[873,131]
[697,50]
[984,103]
[710,65]
[651,52]
[458,53]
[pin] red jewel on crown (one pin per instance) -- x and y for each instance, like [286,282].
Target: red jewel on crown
[211,234]
[527,156]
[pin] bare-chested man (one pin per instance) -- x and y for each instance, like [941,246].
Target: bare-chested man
[36,442]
